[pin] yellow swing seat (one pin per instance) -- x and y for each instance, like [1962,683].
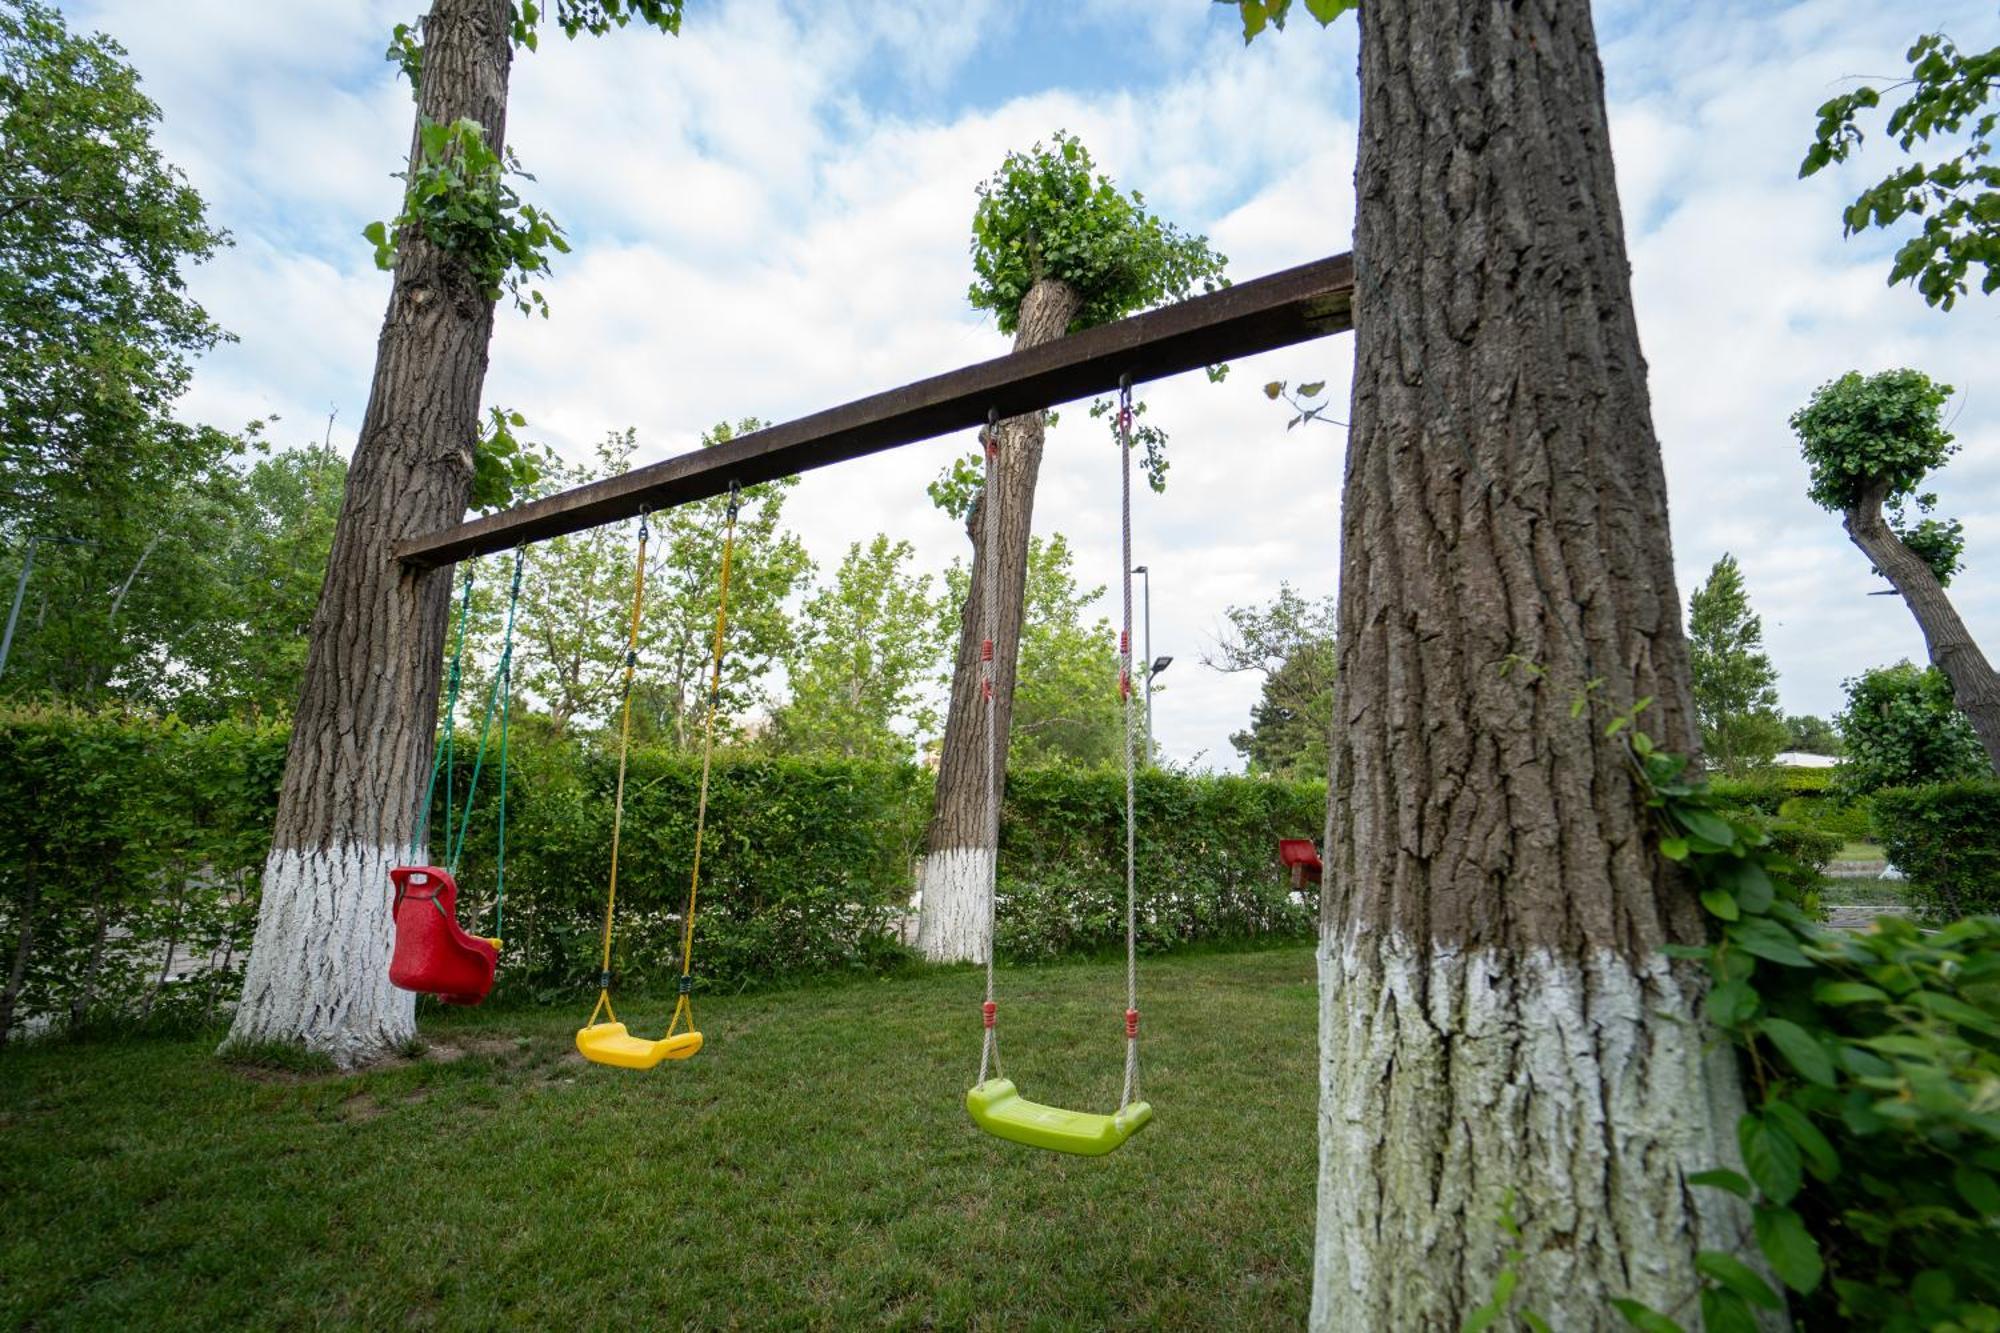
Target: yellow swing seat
[999,1109]
[611,1044]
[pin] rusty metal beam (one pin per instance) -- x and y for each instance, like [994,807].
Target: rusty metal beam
[1279,310]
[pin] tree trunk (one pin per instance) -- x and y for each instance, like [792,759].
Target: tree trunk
[1499,1028]
[79,1004]
[24,944]
[361,738]
[1974,686]
[957,870]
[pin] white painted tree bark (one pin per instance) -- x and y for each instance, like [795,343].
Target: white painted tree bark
[318,972]
[1500,1029]
[956,876]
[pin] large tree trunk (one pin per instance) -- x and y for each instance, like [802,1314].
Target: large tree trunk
[953,922]
[1498,1020]
[1974,686]
[318,970]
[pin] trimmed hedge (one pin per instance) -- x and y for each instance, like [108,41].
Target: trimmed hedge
[133,835]
[1946,840]
[1205,859]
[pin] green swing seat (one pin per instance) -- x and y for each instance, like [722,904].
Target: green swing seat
[999,1109]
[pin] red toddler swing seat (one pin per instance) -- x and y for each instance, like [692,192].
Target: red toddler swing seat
[434,954]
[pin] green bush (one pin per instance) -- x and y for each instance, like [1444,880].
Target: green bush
[1946,841]
[132,837]
[1206,860]
[1852,820]
[128,880]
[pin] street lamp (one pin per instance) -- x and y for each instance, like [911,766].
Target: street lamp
[1155,665]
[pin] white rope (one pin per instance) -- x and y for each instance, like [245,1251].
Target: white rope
[1131,1093]
[989,560]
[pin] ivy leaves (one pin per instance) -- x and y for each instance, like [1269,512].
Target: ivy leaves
[1260,14]
[1871,1152]
[1958,198]
[459,198]
[1048,214]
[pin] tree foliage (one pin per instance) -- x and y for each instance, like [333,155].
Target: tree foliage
[1261,14]
[1878,437]
[1901,728]
[1810,734]
[866,648]
[1957,197]
[577,595]
[1047,213]
[1735,685]
[1290,642]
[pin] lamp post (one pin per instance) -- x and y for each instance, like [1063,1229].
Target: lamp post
[1154,665]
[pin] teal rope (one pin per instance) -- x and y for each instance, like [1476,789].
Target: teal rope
[441,755]
[455,848]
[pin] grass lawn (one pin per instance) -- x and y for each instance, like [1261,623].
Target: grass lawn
[812,1167]
[1860,851]
[1864,892]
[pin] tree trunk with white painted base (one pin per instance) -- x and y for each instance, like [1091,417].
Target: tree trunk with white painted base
[318,971]
[1499,1027]
[957,870]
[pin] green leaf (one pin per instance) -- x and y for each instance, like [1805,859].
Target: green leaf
[1720,903]
[1765,938]
[1644,1317]
[1790,1249]
[1707,826]
[1326,11]
[1732,1002]
[1848,992]
[1801,1130]
[1739,1277]
[1978,1188]
[1722,1180]
[1674,849]
[1800,1048]
[1771,1158]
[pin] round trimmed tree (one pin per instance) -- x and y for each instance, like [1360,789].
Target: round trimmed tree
[1056,247]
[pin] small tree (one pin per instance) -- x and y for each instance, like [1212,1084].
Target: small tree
[1056,247]
[1957,196]
[866,645]
[1809,734]
[1901,729]
[1291,643]
[1870,442]
[1735,685]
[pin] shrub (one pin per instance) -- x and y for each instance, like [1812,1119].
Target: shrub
[1946,840]
[1851,820]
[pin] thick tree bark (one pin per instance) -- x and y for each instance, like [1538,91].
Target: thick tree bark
[362,735]
[1974,686]
[958,865]
[1498,1020]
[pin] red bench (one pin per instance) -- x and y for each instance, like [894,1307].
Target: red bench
[1301,855]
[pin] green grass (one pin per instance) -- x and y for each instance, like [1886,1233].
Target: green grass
[812,1167]
[1860,851]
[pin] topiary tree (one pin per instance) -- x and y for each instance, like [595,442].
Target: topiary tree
[1870,441]
[1901,729]
[1056,247]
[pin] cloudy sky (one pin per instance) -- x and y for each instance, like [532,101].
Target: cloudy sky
[770,216]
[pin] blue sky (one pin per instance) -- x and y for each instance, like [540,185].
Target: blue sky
[770,216]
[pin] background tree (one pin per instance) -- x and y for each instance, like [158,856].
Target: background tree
[318,970]
[1958,196]
[1290,642]
[1513,1072]
[1809,734]
[96,230]
[1735,685]
[1901,729]
[1869,443]
[866,646]
[1056,247]
[1066,709]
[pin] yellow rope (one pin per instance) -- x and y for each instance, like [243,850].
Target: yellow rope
[618,801]
[684,1006]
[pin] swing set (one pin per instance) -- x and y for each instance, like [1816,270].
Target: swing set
[433,954]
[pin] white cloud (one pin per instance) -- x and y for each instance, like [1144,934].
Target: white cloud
[765,226]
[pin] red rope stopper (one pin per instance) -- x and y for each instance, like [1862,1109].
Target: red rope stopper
[1132,1024]
[1124,684]
[986,651]
[990,1008]
[990,439]
[987,687]
[1125,641]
